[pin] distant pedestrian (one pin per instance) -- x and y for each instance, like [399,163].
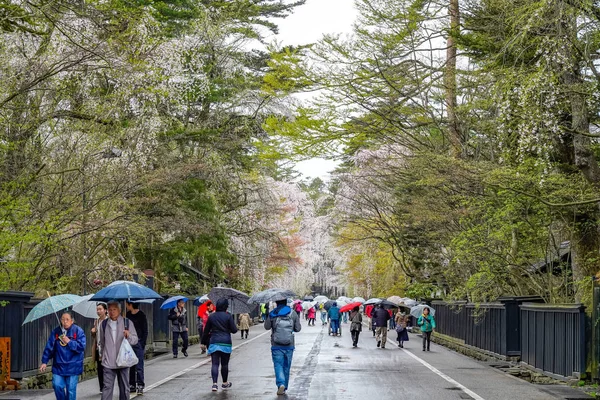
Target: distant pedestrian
[114,330]
[312,314]
[298,308]
[263,311]
[283,323]
[102,312]
[179,327]
[204,312]
[323,313]
[66,348]
[427,324]
[355,325]
[345,317]
[334,317]
[392,322]
[244,324]
[217,336]
[380,319]
[369,312]
[136,374]
[401,327]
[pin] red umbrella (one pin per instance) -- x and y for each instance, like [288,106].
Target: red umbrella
[349,307]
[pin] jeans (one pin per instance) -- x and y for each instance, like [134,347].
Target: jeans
[136,374]
[65,387]
[323,317]
[282,361]
[335,325]
[355,335]
[345,317]
[392,323]
[184,338]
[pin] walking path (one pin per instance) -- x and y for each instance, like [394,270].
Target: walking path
[327,367]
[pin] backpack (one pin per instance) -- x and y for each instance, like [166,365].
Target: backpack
[283,332]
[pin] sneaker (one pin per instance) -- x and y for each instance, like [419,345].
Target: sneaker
[226,386]
[379,343]
[281,390]
[185,354]
[140,390]
[174,355]
[428,350]
[132,389]
[423,349]
[215,387]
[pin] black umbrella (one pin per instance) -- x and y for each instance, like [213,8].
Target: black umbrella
[328,304]
[387,304]
[238,301]
[308,298]
[274,294]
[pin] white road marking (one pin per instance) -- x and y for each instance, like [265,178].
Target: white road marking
[185,371]
[446,377]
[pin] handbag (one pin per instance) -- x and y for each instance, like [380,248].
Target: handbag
[126,357]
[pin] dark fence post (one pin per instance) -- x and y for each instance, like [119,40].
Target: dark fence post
[11,318]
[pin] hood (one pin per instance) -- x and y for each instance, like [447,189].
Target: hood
[222,305]
[280,311]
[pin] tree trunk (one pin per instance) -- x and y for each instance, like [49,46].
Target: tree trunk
[456,139]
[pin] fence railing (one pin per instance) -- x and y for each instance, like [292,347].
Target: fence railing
[549,338]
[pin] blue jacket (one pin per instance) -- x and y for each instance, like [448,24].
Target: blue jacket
[334,313]
[66,360]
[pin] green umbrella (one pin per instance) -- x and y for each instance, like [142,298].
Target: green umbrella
[52,305]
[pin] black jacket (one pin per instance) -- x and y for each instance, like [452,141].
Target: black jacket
[141,326]
[380,317]
[178,323]
[218,329]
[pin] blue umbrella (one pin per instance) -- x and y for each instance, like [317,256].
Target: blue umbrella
[171,302]
[125,290]
[198,301]
[52,305]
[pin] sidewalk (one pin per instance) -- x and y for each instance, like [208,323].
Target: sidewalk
[157,371]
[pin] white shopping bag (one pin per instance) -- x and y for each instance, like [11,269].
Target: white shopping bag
[126,357]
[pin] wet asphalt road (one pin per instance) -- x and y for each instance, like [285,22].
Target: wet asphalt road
[326,367]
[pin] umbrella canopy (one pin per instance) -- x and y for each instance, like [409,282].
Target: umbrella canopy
[308,304]
[125,290]
[52,305]
[417,310]
[273,294]
[395,299]
[350,306]
[359,300]
[388,304]
[200,300]
[342,301]
[204,307]
[86,307]
[296,301]
[328,304]
[171,302]
[321,299]
[409,302]
[308,298]
[372,301]
[238,301]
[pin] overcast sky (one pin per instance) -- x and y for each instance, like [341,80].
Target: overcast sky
[307,25]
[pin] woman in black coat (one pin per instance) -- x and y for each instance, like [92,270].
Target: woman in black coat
[217,336]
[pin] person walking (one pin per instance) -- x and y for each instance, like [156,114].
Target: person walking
[369,312]
[427,324]
[263,312]
[102,312]
[204,312]
[334,318]
[345,317]
[323,313]
[136,374]
[283,323]
[113,331]
[380,320]
[66,348]
[312,313]
[355,325]
[244,324]
[217,336]
[298,308]
[401,324]
[179,327]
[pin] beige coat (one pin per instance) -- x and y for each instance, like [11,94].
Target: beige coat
[244,321]
[401,320]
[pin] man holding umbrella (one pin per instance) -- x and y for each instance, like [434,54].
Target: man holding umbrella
[179,326]
[66,348]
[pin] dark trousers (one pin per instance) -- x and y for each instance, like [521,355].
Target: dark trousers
[355,335]
[122,375]
[218,357]
[136,374]
[426,339]
[100,370]
[184,338]
[242,331]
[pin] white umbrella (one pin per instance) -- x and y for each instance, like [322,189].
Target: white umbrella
[86,307]
[410,302]
[374,300]
[308,304]
[321,299]
[341,301]
[358,300]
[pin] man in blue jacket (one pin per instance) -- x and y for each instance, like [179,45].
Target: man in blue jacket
[334,318]
[66,348]
[283,323]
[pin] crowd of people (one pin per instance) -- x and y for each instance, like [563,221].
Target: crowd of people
[66,344]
